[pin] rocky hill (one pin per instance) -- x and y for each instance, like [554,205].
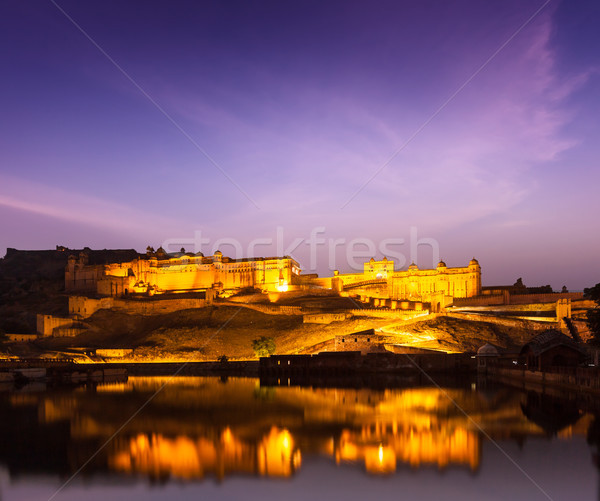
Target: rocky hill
[208,333]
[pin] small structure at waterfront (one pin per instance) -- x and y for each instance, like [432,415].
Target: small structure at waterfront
[366,341]
[552,349]
[487,356]
[297,369]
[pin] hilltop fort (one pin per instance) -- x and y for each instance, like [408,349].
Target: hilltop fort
[125,300]
[162,273]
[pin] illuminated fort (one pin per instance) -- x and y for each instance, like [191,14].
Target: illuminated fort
[429,285]
[159,272]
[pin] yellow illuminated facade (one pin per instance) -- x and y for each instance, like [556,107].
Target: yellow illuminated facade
[157,273]
[183,272]
[413,284]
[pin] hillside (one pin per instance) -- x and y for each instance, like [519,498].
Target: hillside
[33,281]
[206,334]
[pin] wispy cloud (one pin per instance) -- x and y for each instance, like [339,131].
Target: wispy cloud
[69,207]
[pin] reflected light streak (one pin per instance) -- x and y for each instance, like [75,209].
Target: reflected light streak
[415,427]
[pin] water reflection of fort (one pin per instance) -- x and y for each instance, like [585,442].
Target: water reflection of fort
[198,427]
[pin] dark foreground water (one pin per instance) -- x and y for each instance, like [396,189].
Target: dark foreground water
[229,439]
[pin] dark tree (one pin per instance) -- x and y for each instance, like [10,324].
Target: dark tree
[263,346]
[593,315]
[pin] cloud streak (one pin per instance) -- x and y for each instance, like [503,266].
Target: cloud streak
[64,206]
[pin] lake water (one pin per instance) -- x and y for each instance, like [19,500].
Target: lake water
[228,439]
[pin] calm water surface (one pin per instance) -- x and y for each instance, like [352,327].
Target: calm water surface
[209,438]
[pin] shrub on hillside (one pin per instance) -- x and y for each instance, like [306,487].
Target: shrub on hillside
[263,346]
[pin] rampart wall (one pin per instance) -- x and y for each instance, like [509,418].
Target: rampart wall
[388,313]
[392,303]
[156,307]
[510,307]
[113,352]
[68,331]
[324,318]
[84,307]
[47,323]
[544,298]
[515,299]
[271,309]
[21,337]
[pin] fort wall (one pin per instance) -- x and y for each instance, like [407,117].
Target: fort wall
[544,298]
[113,352]
[22,337]
[84,307]
[271,309]
[141,307]
[502,308]
[515,299]
[388,313]
[47,323]
[324,318]
[68,331]
[487,300]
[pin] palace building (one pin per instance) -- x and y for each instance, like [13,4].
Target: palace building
[414,284]
[423,284]
[157,273]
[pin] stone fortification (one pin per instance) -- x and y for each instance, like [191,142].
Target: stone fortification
[84,307]
[159,273]
[436,286]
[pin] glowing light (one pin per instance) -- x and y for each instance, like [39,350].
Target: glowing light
[277,454]
[227,436]
[283,287]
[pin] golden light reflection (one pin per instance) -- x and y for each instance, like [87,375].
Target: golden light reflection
[159,456]
[380,459]
[203,426]
[277,455]
[182,457]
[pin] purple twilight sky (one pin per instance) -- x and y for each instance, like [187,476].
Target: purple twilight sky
[470,128]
